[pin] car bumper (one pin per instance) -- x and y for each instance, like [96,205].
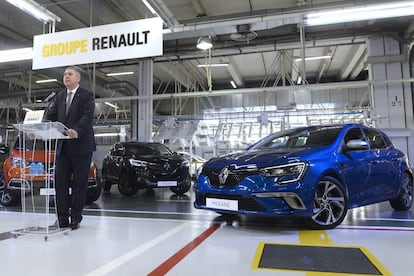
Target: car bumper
[252,196]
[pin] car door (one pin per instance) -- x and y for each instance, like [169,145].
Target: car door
[355,166]
[112,162]
[383,172]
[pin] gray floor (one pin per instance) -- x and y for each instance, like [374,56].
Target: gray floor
[160,233]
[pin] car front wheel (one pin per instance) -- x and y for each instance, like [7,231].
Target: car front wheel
[124,186]
[95,192]
[9,198]
[404,200]
[106,184]
[329,205]
[179,190]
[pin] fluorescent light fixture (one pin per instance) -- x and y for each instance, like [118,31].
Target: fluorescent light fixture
[35,10]
[111,105]
[27,109]
[46,81]
[313,58]
[119,74]
[359,13]
[106,134]
[233,84]
[16,54]
[213,65]
[149,7]
[204,43]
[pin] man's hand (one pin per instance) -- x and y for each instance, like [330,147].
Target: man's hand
[71,133]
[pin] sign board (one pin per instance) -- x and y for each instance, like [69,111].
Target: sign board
[119,41]
[33,117]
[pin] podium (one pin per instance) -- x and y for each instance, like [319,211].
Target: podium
[49,133]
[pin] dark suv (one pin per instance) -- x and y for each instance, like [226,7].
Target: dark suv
[144,165]
[25,169]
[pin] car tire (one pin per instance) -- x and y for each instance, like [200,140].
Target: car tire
[330,204]
[9,198]
[106,184]
[182,189]
[124,186]
[404,200]
[96,192]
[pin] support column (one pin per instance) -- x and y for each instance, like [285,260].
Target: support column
[391,96]
[142,109]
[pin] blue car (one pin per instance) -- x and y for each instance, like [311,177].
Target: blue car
[315,172]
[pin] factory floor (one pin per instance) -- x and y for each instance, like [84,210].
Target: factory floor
[160,233]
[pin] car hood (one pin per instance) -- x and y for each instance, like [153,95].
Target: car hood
[159,158]
[262,158]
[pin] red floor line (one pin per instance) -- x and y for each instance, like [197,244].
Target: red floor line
[177,257]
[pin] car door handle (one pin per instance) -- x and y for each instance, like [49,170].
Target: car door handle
[343,165]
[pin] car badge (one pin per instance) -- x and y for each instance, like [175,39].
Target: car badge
[166,166]
[224,173]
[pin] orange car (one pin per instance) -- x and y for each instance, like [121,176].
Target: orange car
[31,166]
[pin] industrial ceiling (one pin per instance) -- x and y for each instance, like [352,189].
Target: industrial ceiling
[259,40]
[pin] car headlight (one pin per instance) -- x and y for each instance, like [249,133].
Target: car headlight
[138,163]
[285,173]
[19,162]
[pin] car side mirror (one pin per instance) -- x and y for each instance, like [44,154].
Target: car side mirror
[356,145]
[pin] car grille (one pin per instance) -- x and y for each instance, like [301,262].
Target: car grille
[233,178]
[245,203]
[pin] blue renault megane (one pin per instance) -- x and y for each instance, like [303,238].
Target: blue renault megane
[315,172]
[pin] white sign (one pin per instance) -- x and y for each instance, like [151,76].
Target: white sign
[126,40]
[33,117]
[47,191]
[223,204]
[167,183]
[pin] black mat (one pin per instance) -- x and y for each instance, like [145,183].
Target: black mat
[317,258]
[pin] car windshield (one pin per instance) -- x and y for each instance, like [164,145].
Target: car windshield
[149,149]
[32,144]
[298,138]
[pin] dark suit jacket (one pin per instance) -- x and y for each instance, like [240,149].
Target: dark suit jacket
[79,118]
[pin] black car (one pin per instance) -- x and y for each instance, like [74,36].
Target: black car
[144,165]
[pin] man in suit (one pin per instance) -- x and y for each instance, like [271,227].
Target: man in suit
[74,107]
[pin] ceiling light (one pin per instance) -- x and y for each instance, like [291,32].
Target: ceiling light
[106,134]
[233,84]
[213,65]
[111,105]
[360,13]
[16,54]
[45,81]
[35,10]
[313,58]
[204,43]
[119,74]
[149,7]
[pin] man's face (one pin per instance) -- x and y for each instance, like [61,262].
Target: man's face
[71,78]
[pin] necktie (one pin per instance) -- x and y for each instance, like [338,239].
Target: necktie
[68,101]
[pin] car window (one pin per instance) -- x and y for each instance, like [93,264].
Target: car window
[138,150]
[162,150]
[301,138]
[375,138]
[354,134]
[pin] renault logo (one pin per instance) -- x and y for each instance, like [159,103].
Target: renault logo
[166,166]
[224,173]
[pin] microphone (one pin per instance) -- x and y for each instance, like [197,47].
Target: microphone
[50,97]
